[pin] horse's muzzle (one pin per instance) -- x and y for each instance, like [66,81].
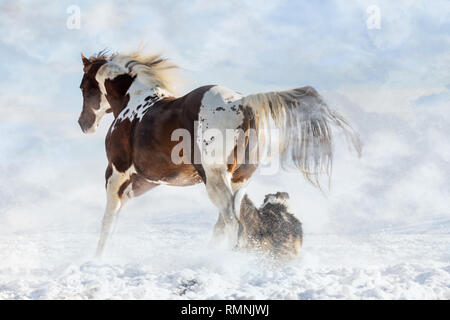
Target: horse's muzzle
[86,128]
[83,126]
[87,122]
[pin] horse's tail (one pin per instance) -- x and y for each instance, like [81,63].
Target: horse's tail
[303,120]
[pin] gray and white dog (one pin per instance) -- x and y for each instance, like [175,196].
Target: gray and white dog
[271,228]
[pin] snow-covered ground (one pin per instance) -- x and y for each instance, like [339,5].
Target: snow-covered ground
[165,258]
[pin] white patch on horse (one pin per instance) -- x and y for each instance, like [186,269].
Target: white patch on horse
[160,182]
[141,99]
[220,110]
[132,170]
[237,201]
[108,71]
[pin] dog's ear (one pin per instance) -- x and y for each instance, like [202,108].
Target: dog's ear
[282,195]
[269,198]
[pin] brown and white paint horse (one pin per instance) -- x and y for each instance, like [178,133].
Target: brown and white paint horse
[139,143]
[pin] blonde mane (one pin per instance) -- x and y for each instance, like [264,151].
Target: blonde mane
[152,70]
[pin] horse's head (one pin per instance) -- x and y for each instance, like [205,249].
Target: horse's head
[95,104]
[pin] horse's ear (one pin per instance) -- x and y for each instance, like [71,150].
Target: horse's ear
[84,59]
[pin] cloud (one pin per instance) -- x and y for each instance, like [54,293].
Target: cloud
[440,98]
[247,45]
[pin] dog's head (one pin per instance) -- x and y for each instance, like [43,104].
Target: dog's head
[276,198]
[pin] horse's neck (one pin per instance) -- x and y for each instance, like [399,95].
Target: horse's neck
[141,93]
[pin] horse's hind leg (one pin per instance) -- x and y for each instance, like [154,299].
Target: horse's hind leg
[220,226]
[218,186]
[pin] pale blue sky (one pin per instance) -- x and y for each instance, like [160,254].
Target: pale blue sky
[246,45]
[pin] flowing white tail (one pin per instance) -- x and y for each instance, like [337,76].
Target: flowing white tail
[304,120]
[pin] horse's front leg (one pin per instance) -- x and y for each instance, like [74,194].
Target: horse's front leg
[120,187]
[118,191]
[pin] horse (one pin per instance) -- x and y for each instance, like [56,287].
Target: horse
[271,229]
[140,142]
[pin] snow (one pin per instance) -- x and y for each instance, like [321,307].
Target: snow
[172,261]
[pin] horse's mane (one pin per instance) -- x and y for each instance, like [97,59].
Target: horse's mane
[151,69]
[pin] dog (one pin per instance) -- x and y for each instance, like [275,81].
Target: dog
[271,228]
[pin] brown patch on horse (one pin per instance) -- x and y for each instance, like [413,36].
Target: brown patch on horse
[123,187]
[116,92]
[101,57]
[153,144]
[242,169]
[140,185]
[118,145]
[147,143]
[108,173]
